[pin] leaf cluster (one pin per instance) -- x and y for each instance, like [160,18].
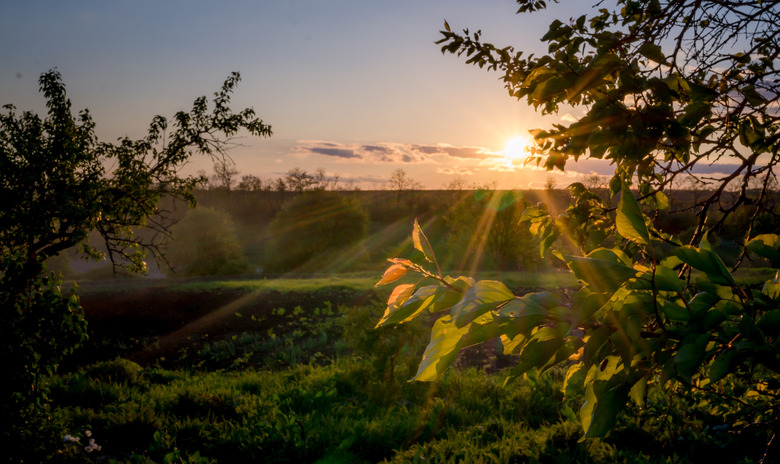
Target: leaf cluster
[639,321]
[666,88]
[60,182]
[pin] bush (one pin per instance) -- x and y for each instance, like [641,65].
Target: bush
[312,224]
[485,230]
[205,243]
[36,332]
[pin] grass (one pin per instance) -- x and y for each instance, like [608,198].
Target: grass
[323,386]
[311,283]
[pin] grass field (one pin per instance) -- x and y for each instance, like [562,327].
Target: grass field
[293,371]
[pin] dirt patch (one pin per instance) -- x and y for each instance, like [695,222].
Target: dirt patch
[148,324]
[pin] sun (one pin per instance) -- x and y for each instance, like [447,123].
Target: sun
[516,148]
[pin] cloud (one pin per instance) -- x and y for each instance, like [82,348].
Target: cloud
[718,168]
[392,152]
[337,152]
[469,152]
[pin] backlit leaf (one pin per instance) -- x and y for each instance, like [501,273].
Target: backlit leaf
[707,261]
[392,274]
[484,296]
[397,298]
[447,340]
[421,242]
[599,274]
[630,221]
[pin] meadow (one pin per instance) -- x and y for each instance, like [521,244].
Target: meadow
[291,370]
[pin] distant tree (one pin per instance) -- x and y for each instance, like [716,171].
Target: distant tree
[225,174]
[251,183]
[596,181]
[205,243]
[279,185]
[401,182]
[457,183]
[58,184]
[300,180]
[311,224]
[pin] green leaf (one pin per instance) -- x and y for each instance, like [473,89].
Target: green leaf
[630,221]
[675,312]
[540,349]
[521,315]
[593,344]
[690,355]
[599,274]
[665,279]
[604,399]
[707,261]
[447,339]
[770,323]
[421,243]
[722,365]
[752,95]
[653,52]
[441,350]
[575,376]
[694,113]
[766,246]
[638,392]
[484,296]
[409,308]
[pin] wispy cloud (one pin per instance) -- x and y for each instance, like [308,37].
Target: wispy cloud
[337,152]
[393,152]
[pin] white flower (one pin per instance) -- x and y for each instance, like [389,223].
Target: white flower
[88,433]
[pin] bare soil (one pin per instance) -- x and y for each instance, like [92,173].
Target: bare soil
[150,324]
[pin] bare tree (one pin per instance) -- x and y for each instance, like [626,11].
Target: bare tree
[225,173]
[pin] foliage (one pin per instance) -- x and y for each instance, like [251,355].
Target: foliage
[652,312]
[343,412]
[37,329]
[666,87]
[313,223]
[634,325]
[59,183]
[204,243]
[485,227]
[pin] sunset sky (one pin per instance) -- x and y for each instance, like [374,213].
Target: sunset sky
[356,87]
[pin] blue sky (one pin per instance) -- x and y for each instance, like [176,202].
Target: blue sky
[356,87]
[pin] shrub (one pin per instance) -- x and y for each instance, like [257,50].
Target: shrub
[311,224]
[205,243]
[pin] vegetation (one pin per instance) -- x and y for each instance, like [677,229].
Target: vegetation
[485,228]
[59,183]
[659,353]
[653,313]
[204,242]
[312,224]
[320,387]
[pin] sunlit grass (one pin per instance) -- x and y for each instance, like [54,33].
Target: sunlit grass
[352,281]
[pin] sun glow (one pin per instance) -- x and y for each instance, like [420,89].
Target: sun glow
[516,148]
